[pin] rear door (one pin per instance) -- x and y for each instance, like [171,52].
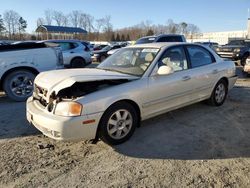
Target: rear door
[204,71]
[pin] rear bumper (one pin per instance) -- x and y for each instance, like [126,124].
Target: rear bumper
[59,127]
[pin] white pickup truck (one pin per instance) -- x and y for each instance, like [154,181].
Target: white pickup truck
[21,62]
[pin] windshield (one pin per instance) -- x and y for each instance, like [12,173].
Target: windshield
[145,40]
[134,61]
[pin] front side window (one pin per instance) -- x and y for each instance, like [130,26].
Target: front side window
[199,56]
[175,58]
[134,61]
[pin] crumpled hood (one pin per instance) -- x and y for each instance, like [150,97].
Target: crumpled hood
[54,81]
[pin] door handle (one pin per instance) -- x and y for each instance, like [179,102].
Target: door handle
[185,78]
[215,71]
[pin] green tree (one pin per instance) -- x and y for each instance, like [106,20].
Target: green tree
[118,37]
[113,37]
[22,26]
[2,28]
[150,32]
[128,38]
[122,37]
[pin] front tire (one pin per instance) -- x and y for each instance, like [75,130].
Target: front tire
[78,63]
[18,85]
[102,58]
[118,123]
[219,94]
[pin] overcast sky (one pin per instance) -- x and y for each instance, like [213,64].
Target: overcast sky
[208,15]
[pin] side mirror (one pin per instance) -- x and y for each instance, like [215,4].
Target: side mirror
[164,70]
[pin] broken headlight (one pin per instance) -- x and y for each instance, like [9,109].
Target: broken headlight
[68,109]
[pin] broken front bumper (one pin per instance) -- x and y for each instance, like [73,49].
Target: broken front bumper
[59,127]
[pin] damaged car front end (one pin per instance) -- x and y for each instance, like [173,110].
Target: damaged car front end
[56,109]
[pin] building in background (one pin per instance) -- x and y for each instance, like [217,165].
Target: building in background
[221,37]
[45,32]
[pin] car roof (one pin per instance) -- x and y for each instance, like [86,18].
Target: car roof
[160,35]
[156,44]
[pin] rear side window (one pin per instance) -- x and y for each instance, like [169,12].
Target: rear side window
[67,45]
[170,39]
[199,56]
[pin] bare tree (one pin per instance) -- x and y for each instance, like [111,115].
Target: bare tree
[40,21]
[192,30]
[98,26]
[11,19]
[58,16]
[107,27]
[65,20]
[48,16]
[75,17]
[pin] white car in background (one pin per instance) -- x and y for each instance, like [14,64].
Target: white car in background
[76,54]
[136,83]
[21,62]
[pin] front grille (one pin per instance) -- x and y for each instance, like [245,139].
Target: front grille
[226,54]
[40,91]
[40,95]
[226,50]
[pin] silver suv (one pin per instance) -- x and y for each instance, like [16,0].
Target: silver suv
[76,54]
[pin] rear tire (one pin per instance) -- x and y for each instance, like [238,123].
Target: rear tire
[18,85]
[219,94]
[118,123]
[102,58]
[78,63]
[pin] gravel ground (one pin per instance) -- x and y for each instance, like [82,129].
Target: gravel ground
[196,146]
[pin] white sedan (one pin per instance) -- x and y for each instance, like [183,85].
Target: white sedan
[134,84]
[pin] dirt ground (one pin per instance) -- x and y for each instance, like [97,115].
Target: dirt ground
[196,146]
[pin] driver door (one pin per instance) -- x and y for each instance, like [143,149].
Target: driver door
[166,92]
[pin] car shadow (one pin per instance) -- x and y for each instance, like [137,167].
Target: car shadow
[195,132]
[13,121]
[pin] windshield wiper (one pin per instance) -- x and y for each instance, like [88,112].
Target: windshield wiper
[114,70]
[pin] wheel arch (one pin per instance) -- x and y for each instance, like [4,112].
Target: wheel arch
[77,57]
[129,101]
[225,79]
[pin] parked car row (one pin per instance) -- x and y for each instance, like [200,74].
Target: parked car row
[235,50]
[101,55]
